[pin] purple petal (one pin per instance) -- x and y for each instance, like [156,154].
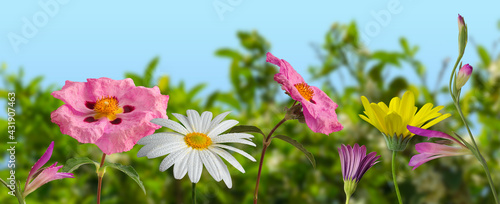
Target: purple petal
[355,162]
[42,161]
[432,133]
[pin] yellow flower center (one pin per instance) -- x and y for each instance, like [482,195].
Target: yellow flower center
[305,91]
[197,140]
[108,107]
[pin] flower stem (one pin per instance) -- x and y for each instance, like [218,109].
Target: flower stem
[394,176]
[193,195]
[99,179]
[478,155]
[347,199]
[264,148]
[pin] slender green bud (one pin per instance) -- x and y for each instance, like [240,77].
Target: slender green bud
[462,35]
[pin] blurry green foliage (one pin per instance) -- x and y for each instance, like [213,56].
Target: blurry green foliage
[287,177]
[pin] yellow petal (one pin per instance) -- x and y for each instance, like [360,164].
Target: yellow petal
[379,115]
[394,104]
[393,123]
[437,120]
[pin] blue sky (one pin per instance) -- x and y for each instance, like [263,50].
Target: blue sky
[75,40]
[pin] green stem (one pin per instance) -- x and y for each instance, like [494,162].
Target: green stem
[394,177]
[266,144]
[99,178]
[194,193]
[347,199]
[478,154]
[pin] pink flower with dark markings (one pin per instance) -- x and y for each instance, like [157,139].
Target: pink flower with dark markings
[113,114]
[38,177]
[318,108]
[429,151]
[355,163]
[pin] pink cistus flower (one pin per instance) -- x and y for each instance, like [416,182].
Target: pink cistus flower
[355,162]
[318,108]
[37,177]
[429,151]
[113,114]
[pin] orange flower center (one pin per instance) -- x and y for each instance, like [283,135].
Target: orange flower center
[107,106]
[197,140]
[305,91]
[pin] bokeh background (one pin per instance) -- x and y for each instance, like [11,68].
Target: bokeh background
[210,55]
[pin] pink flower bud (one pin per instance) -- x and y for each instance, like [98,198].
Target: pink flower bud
[461,22]
[463,76]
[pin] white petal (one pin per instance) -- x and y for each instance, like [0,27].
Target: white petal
[170,124]
[217,120]
[183,119]
[228,157]
[162,137]
[171,159]
[232,140]
[205,121]
[165,149]
[222,127]
[224,172]
[194,118]
[195,167]
[236,136]
[248,156]
[181,163]
[209,159]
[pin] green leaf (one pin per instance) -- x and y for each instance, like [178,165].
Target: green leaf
[298,146]
[148,73]
[75,163]
[130,171]
[485,58]
[138,81]
[228,52]
[246,129]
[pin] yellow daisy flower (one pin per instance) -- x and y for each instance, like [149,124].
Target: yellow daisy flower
[392,120]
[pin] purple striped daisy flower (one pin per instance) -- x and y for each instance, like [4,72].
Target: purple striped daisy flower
[355,162]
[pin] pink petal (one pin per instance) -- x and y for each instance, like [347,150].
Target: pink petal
[47,175]
[434,148]
[432,133]
[420,159]
[429,151]
[109,87]
[123,137]
[285,69]
[71,122]
[42,161]
[321,117]
[70,90]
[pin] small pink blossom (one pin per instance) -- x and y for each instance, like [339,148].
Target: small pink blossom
[429,151]
[38,177]
[113,114]
[318,108]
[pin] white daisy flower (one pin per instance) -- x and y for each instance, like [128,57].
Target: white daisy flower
[196,143]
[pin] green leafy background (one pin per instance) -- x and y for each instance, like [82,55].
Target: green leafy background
[255,99]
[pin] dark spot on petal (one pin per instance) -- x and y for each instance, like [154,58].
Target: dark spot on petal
[128,109]
[116,121]
[90,105]
[312,101]
[89,119]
